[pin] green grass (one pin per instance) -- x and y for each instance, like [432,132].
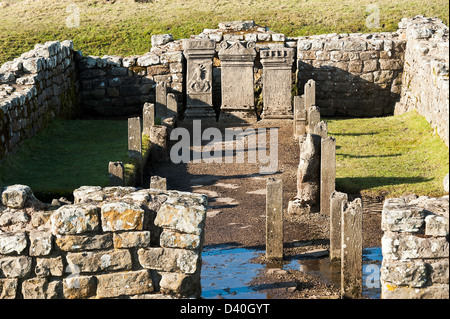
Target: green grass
[389,156]
[125,27]
[66,155]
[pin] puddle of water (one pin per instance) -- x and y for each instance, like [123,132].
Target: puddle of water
[227,272]
[372,259]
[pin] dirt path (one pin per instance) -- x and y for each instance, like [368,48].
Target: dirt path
[236,214]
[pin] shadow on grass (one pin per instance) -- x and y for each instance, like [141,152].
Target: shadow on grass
[356,184]
[367,156]
[354,134]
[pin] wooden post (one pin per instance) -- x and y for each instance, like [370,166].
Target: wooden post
[274,219]
[327,173]
[336,201]
[351,254]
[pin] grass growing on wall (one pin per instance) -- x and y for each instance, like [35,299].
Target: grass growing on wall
[66,155]
[125,27]
[389,156]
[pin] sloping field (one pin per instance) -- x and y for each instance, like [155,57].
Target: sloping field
[125,27]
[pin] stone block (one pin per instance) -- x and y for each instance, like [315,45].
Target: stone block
[402,246]
[148,59]
[402,219]
[53,266]
[8,288]
[173,239]
[116,172]
[12,243]
[41,243]
[15,266]
[436,225]
[124,284]
[75,219]
[88,262]
[121,216]
[161,39]
[390,291]
[180,284]
[34,288]
[79,287]
[405,273]
[439,271]
[84,242]
[16,196]
[131,239]
[185,219]
[169,259]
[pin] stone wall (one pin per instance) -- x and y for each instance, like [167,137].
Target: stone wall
[415,248]
[115,242]
[35,88]
[356,74]
[425,78]
[119,86]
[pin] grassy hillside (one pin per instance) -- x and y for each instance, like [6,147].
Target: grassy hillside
[125,27]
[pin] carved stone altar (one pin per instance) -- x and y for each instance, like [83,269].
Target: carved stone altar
[238,101]
[277,83]
[199,54]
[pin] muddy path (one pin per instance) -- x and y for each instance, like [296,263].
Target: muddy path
[236,214]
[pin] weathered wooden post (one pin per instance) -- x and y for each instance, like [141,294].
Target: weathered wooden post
[327,173]
[116,174]
[351,254]
[274,219]
[337,199]
[135,145]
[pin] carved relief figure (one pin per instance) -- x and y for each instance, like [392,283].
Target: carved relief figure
[199,81]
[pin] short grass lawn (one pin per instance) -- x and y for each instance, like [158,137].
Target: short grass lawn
[389,156]
[66,155]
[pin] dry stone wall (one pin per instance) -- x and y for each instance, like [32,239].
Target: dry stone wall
[356,74]
[415,248]
[35,88]
[426,77]
[119,86]
[113,242]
